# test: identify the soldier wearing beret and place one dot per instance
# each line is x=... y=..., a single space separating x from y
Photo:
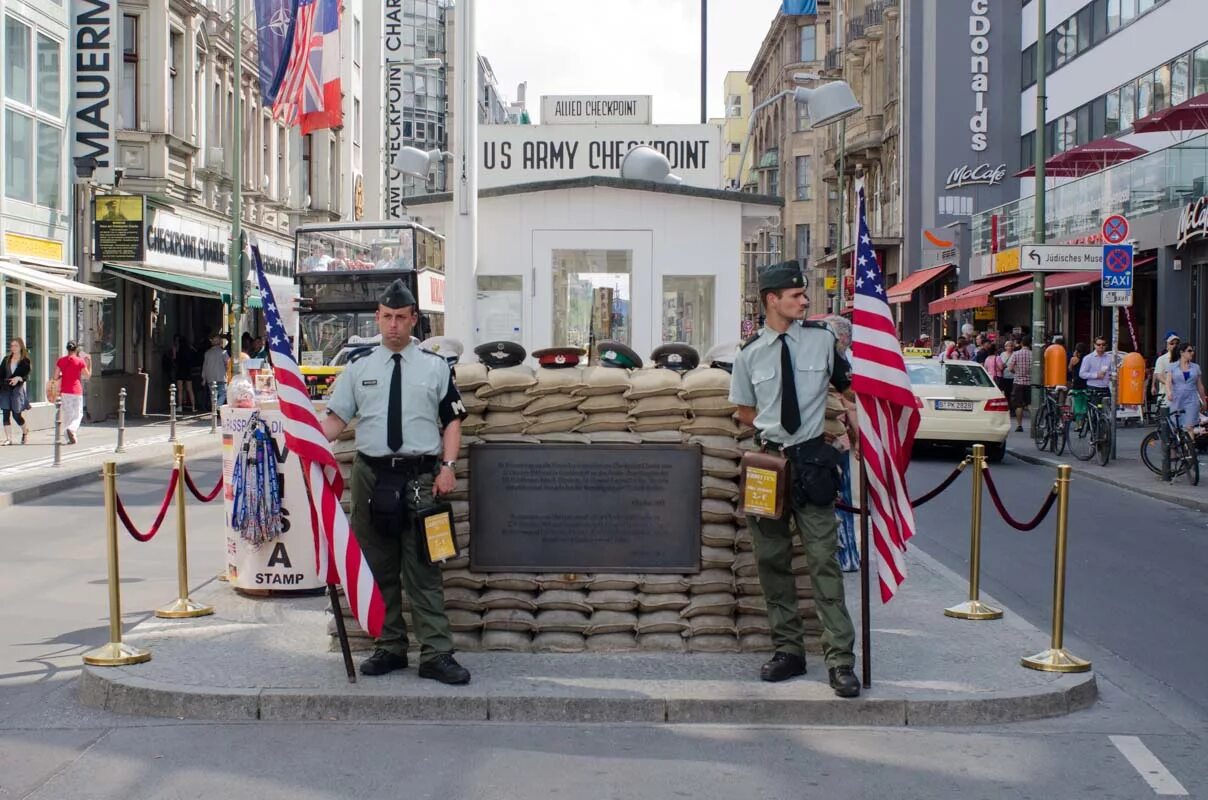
x=409 y=414
x=618 y=355
x=675 y=356
x=779 y=384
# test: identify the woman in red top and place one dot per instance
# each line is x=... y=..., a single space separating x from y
x=70 y=371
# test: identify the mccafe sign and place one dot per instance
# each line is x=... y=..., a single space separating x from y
x=976 y=175
x=1193 y=222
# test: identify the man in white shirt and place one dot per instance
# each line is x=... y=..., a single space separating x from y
x=1161 y=364
x=1096 y=367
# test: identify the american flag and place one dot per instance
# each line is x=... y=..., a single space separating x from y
x=305 y=439
x=888 y=412
x=310 y=95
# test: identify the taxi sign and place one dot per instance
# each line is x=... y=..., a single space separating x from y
x=917 y=352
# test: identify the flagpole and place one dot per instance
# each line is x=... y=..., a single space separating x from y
x=332 y=593
x=865 y=557
x=235 y=264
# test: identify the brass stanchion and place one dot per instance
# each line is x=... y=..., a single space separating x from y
x=115 y=653
x=974 y=608
x=1056 y=659
x=182 y=607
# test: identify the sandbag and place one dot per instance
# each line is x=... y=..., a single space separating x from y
x=463 y=578
x=565 y=600
x=551 y=402
x=745 y=565
x=713 y=407
x=554 y=422
x=558 y=641
x=507 y=619
x=516 y=581
x=507 y=641
x=604 y=404
x=713 y=643
x=662 y=583
x=718 y=446
x=508 y=599
x=717 y=534
x=716 y=557
x=671 y=601
x=605 y=581
x=709 y=581
x=640 y=424
x=752 y=623
x=662 y=642
x=705 y=382
x=659 y=406
x=474 y=423
x=612 y=599
x=560 y=620
x=613 y=437
x=712 y=426
x=464 y=599
x=716 y=603
x=661 y=622
x=604 y=422
x=719 y=467
x=503 y=422
x=602 y=380
x=556 y=381
x=755 y=643
x=469 y=376
x=507 y=401
x=711 y=625
x=652 y=383
x=716 y=511
x=718 y=488
x=662 y=437
x=507 y=379
x=612 y=642
x=611 y=622
x=566 y=580
x=460 y=620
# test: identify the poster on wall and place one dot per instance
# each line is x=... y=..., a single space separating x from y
x=117 y=223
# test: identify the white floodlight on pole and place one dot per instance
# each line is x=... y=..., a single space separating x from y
x=644 y=163
x=417 y=163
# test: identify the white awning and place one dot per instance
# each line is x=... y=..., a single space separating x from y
x=55 y=284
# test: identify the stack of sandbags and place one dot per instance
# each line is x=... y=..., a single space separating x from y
x=553 y=404
x=604 y=406
x=563 y=614
x=469 y=378
x=613 y=599
x=654 y=401
x=509 y=616
x=706 y=390
x=506 y=396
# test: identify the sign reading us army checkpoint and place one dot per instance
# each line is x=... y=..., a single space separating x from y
x=585 y=508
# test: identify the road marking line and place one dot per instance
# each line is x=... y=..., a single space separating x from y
x=1148 y=766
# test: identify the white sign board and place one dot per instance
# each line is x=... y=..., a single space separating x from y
x=93 y=81
x=593 y=109
x=515 y=154
x=1116 y=297
x=431 y=291
x=1061 y=258
x=394 y=70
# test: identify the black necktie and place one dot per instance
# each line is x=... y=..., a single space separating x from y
x=394 y=414
x=790 y=412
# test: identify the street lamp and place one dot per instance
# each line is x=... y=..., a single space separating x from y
x=418 y=163
x=644 y=163
x=399 y=159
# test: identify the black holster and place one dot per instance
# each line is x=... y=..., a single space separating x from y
x=816 y=478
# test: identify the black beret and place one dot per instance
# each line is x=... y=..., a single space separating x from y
x=397 y=295
x=785 y=275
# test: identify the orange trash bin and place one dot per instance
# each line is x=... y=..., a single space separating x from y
x=1132 y=380
x=1055 y=363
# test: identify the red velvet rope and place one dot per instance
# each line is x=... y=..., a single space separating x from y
x=159 y=518
x=205 y=498
x=1007 y=518
x=934 y=493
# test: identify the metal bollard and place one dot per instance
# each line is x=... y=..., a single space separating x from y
x=213 y=406
x=1056 y=658
x=58 y=431
x=121 y=421
x=114 y=654
x=974 y=608
x=172 y=413
x=182 y=607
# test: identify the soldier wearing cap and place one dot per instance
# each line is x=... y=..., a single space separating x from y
x=675 y=356
x=618 y=355
x=558 y=357
x=408 y=432
x=779 y=384
x=446 y=347
x=500 y=354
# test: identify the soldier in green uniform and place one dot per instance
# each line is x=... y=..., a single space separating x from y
x=408 y=433
x=779 y=384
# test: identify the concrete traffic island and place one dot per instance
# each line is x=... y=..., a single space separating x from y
x=269 y=659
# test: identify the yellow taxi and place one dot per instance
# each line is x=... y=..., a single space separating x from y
x=960 y=404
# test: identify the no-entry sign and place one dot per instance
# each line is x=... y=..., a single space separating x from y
x=1115 y=229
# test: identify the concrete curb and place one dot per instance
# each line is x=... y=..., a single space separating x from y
x=113 y=690
x=1194 y=503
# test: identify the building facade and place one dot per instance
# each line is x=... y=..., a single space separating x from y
x=734 y=129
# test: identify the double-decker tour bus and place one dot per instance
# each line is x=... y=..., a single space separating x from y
x=341 y=268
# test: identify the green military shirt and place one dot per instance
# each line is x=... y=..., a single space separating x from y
x=756 y=380
x=430 y=399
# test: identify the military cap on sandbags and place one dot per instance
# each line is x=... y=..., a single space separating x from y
x=785 y=275
x=397 y=295
x=722 y=355
x=675 y=355
x=618 y=354
x=558 y=357
x=446 y=347
x=500 y=354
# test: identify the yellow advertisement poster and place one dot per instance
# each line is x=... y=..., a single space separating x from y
x=759 y=492
x=118 y=227
x=438 y=530
x=1007 y=261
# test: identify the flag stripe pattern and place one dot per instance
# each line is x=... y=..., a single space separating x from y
x=286 y=104
x=310 y=94
x=338 y=555
x=888 y=412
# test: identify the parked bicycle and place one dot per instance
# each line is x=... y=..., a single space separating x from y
x=1090 y=432
x=1184 y=454
x=1051 y=423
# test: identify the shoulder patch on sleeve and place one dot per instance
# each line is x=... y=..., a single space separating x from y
x=358 y=354
x=751 y=341
x=821 y=326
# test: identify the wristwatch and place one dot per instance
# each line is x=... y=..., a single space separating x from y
x=450 y=464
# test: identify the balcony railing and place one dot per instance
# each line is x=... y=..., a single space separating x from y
x=874 y=13
x=834 y=59
x=855 y=29
x=1161 y=180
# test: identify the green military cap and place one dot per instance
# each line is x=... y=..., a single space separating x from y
x=618 y=354
x=500 y=354
x=397 y=295
x=675 y=355
x=785 y=275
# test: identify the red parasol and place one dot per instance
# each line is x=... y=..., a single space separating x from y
x=1189 y=115
x=1087 y=158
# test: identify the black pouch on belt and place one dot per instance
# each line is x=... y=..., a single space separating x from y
x=816 y=476
x=388 y=505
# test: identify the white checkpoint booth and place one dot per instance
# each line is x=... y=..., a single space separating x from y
x=286 y=563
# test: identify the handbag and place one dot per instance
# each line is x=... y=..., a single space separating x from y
x=52 y=390
x=816 y=476
x=764 y=484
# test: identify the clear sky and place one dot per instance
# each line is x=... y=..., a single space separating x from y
x=621 y=47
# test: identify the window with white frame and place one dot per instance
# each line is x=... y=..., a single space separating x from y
x=356 y=133
x=804 y=177
x=33 y=134
x=356 y=40
x=282 y=166
x=175 y=100
x=128 y=96
x=688 y=310
x=809 y=43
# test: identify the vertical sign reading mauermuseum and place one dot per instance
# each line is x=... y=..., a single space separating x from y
x=394 y=69
x=93 y=90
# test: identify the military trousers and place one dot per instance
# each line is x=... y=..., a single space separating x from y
x=394 y=556
x=773 y=540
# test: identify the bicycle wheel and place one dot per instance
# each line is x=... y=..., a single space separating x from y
x=1041 y=425
x=1061 y=436
x=1189 y=458
x=1082 y=438
x=1151 y=452
x=1103 y=443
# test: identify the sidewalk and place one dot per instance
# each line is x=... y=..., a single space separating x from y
x=269 y=659
x=1126 y=471
x=28 y=472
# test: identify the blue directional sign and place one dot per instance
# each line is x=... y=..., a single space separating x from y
x=1118 y=266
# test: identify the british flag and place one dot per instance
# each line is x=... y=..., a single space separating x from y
x=310 y=93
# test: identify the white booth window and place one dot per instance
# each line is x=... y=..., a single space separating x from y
x=688 y=310
x=592 y=301
x=499 y=308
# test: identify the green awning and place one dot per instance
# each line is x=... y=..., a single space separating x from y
x=177 y=283
x=770 y=159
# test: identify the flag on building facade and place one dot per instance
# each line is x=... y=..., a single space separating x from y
x=888 y=412
x=339 y=559
x=798 y=7
x=274 y=35
x=310 y=95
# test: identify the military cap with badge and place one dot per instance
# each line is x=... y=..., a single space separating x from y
x=446 y=347
x=397 y=295
x=784 y=275
x=500 y=354
x=675 y=356
x=618 y=355
x=558 y=357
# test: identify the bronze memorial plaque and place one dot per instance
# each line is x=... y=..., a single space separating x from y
x=585 y=508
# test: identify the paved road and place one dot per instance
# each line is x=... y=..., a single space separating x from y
x=1136 y=586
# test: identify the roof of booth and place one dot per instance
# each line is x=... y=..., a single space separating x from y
x=608 y=182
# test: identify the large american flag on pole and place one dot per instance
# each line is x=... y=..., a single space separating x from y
x=888 y=412
x=309 y=94
x=338 y=554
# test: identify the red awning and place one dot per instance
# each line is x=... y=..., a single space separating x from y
x=902 y=290
x=1055 y=281
x=1087 y=158
x=1189 y=115
x=974 y=295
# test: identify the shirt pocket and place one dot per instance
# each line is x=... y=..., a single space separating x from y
x=767 y=388
x=812 y=380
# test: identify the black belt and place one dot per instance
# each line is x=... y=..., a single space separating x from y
x=400 y=463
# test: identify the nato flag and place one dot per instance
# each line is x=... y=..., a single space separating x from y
x=798 y=7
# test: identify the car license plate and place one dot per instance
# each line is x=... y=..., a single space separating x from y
x=953 y=405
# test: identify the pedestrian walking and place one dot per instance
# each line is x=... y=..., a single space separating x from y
x=1162 y=362
x=1021 y=387
x=214 y=369
x=70 y=373
x=408 y=434
x=1072 y=372
x=14 y=389
x=779 y=384
x=993 y=365
x=1006 y=374
x=178 y=366
x=1185 y=386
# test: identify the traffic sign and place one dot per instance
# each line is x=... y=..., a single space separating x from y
x=1115 y=229
x=1117 y=266
x=1061 y=258
x=1116 y=297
